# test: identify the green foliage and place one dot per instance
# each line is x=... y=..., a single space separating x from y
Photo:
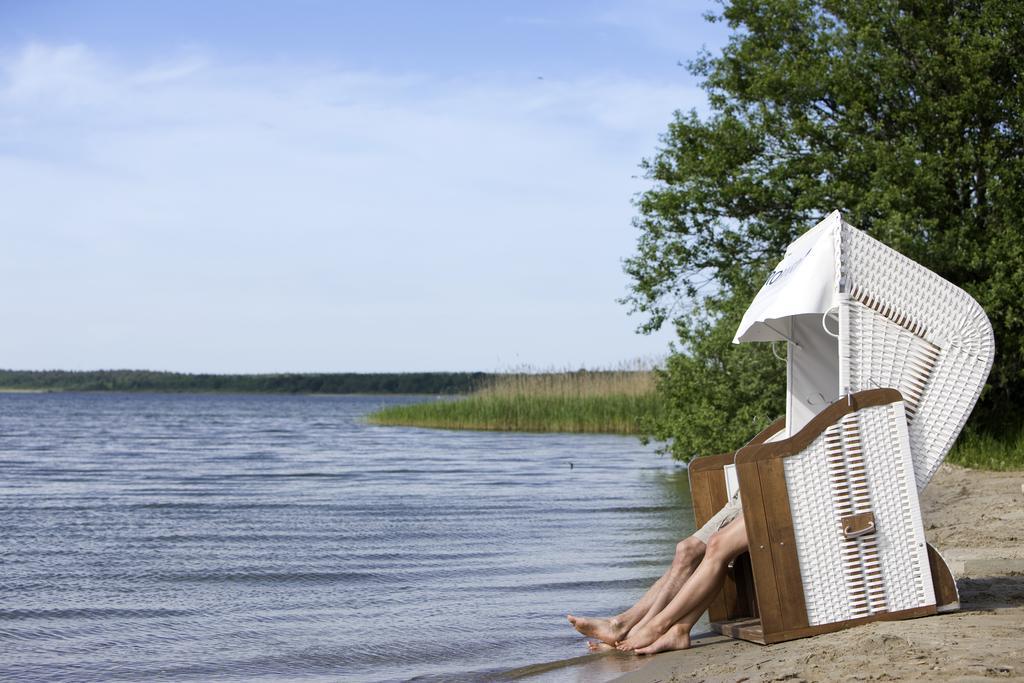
x=718 y=395
x=906 y=116
x=990 y=452
x=285 y=383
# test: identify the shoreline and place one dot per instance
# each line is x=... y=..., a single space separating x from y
x=975 y=518
x=221 y=392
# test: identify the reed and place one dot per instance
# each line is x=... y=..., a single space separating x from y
x=594 y=401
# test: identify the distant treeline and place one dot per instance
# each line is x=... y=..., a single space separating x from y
x=282 y=383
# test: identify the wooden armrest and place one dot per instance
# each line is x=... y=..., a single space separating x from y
x=709 y=463
x=754 y=452
x=717 y=462
x=708 y=491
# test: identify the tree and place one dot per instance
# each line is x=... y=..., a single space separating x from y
x=906 y=116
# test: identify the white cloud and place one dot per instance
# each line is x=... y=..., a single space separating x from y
x=63 y=74
x=197 y=215
x=675 y=26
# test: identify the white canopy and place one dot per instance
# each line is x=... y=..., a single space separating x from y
x=805 y=281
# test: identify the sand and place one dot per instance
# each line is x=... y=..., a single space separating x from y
x=976 y=520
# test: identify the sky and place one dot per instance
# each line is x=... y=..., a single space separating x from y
x=319 y=186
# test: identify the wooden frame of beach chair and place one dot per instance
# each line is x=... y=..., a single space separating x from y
x=832 y=513
x=709 y=494
x=764 y=598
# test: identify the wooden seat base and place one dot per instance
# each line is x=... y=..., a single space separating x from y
x=762 y=598
x=946 y=598
x=744 y=628
x=750 y=629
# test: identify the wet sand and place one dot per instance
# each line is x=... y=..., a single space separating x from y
x=976 y=521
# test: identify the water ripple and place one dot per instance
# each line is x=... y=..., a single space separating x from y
x=180 y=537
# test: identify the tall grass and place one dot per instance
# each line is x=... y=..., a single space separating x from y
x=597 y=401
x=989 y=452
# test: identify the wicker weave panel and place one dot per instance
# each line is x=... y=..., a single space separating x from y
x=943 y=410
x=816 y=515
x=881 y=353
x=903 y=326
x=861 y=464
x=887 y=355
x=900 y=537
x=912 y=295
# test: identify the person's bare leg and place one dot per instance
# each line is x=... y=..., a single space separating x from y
x=687 y=558
x=613 y=629
x=698 y=592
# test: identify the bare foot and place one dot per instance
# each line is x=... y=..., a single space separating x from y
x=641 y=637
x=598 y=646
x=676 y=638
x=636 y=628
x=605 y=630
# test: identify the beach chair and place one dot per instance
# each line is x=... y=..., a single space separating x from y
x=885 y=361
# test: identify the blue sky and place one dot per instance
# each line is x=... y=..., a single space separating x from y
x=330 y=186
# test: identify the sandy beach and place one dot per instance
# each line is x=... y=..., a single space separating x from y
x=976 y=520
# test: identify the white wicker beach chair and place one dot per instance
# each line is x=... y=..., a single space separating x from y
x=885 y=362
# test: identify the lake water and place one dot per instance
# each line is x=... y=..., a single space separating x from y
x=197 y=537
